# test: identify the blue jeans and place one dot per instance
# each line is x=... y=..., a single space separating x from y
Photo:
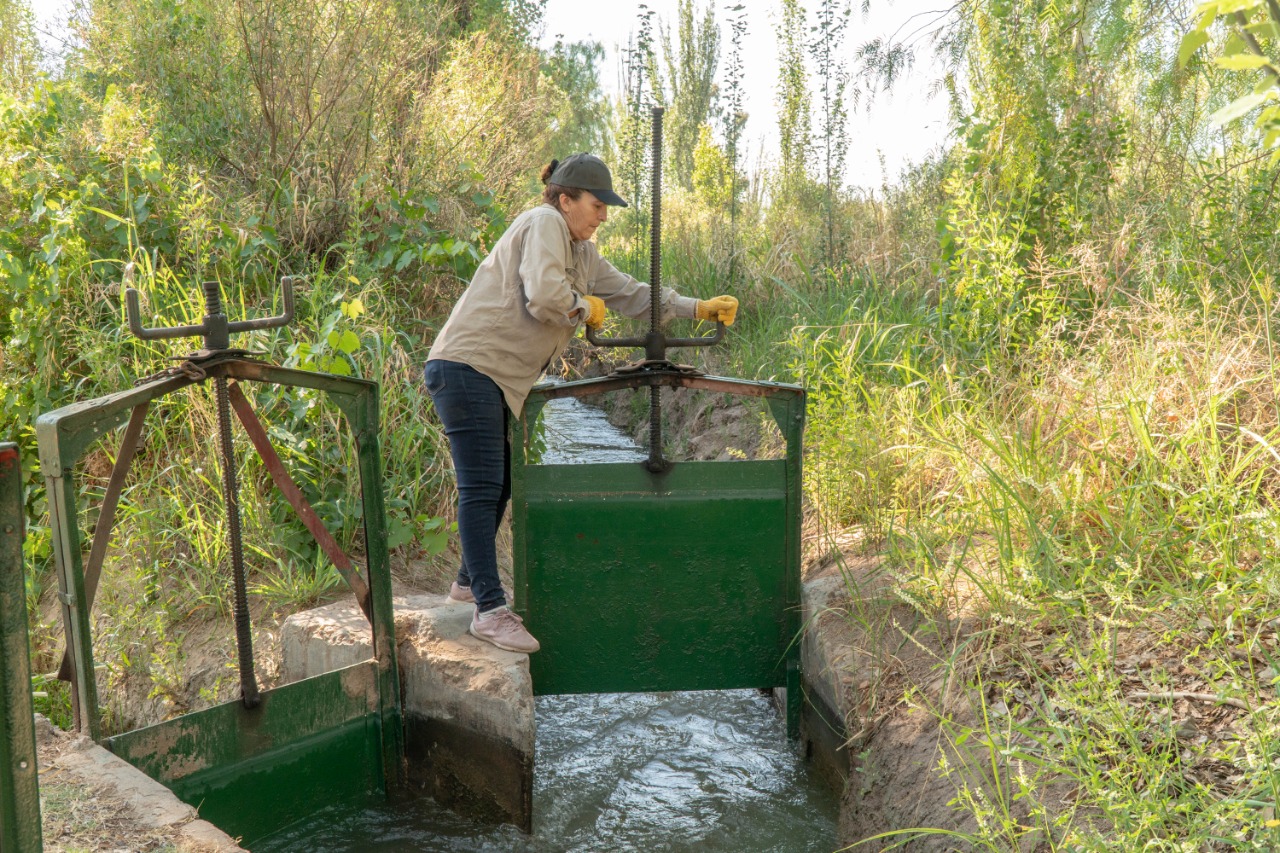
x=474 y=414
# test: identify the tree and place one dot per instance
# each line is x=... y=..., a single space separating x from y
x=734 y=122
x=833 y=129
x=632 y=133
x=1251 y=47
x=688 y=86
x=794 y=121
x=582 y=122
x=18 y=46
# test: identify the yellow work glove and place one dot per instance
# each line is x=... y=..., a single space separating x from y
x=723 y=309
x=595 y=312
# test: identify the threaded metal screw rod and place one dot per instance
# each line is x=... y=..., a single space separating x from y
x=656 y=463
x=655 y=229
x=244 y=638
x=217 y=332
x=231 y=496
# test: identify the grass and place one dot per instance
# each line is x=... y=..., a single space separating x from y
x=1096 y=505
x=1118 y=488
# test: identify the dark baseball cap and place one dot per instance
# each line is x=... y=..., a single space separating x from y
x=587 y=172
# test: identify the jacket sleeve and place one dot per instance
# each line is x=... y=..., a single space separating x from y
x=624 y=294
x=544 y=276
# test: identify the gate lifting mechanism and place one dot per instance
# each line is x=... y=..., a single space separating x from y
x=256 y=763
x=661 y=576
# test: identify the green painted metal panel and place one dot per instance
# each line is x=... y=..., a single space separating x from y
x=684 y=579
x=19 y=795
x=635 y=581
x=251 y=771
x=257 y=797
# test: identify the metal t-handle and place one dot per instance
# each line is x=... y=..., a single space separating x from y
x=215 y=328
x=655 y=343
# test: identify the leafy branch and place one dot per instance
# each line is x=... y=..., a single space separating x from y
x=1249 y=22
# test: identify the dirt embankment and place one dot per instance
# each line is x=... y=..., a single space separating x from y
x=917 y=734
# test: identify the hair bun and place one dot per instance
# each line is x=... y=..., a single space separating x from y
x=549 y=170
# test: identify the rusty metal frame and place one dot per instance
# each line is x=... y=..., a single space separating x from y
x=275 y=467
x=65 y=434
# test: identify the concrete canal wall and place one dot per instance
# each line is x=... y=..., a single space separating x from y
x=469 y=713
x=119 y=799
x=469 y=708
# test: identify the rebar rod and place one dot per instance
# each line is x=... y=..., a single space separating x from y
x=655 y=228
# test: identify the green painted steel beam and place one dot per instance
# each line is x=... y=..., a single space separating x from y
x=377 y=555
x=790 y=420
x=19 y=794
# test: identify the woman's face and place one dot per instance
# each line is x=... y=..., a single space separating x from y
x=584 y=214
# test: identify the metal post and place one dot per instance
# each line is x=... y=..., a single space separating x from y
x=789 y=413
x=19 y=797
x=364 y=425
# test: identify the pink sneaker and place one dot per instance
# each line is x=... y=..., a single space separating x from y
x=502 y=627
x=462 y=594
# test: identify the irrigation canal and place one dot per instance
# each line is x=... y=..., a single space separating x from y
x=706 y=771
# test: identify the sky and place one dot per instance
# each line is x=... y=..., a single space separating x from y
x=899 y=128
x=902 y=127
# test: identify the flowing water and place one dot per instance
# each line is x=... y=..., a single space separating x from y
x=704 y=771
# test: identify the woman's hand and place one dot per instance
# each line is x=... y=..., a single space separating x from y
x=721 y=309
x=595 y=311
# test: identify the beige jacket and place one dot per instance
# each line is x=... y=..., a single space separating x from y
x=525 y=302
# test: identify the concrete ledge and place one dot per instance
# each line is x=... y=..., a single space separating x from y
x=154 y=805
x=468 y=706
x=825 y=662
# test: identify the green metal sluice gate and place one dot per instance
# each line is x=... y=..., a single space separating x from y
x=663 y=575
x=642 y=578
x=274 y=756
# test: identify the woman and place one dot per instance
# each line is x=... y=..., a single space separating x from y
x=542 y=280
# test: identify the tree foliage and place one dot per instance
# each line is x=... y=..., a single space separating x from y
x=19 y=49
x=734 y=121
x=1251 y=46
x=794 y=115
x=582 y=123
x=686 y=85
x=832 y=134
